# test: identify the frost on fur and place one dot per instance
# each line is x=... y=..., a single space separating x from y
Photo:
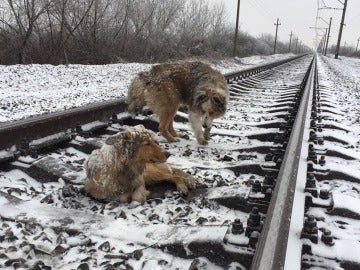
x=136 y=98
x=193 y=84
x=116 y=168
x=126 y=162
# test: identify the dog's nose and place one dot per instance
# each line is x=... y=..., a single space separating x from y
x=167 y=154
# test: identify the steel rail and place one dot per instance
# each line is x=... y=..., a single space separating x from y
x=238 y=75
x=44 y=125
x=271 y=249
x=36 y=127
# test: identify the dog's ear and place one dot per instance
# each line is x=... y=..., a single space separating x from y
x=113 y=139
x=118 y=137
x=219 y=102
x=140 y=128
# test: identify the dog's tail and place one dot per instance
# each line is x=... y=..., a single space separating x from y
x=136 y=95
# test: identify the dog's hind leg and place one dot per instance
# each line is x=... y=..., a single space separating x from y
x=136 y=96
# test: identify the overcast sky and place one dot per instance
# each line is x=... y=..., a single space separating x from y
x=259 y=16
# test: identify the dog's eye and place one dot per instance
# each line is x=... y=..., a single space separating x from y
x=201 y=98
x=218 y=101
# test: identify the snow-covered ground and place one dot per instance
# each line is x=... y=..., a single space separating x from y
x=339 y=100
x=27 y=90
x=49 y=220
x=344 y=77
x=66 y=229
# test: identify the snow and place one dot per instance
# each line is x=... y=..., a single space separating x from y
x=340 y=250
x=71 y=222
x=53 y=137
x=28 y=90
x=348 y=203
x=339 y=102
x=37 y=89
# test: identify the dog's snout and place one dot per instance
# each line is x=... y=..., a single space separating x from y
x=167 y=154
x=205 y=126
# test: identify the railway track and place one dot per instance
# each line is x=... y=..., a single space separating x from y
x=268 y=195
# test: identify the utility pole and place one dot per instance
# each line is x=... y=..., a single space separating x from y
x=357 y=45
x=277 y=25
x=340 y=31
x=320 y=47
x=296 y=45
x=328 y=36
x=236 y=28
x=324 y=45
x=290 y=41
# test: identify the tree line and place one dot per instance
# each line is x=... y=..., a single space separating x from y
x=109 y=31
x=346 y=50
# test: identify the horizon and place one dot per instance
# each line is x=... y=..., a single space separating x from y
x=258 y=17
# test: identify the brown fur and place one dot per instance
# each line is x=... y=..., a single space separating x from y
x=165 y=87
x=126 y=163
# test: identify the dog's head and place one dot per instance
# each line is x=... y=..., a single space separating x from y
x=136 y=145
x=210 y=103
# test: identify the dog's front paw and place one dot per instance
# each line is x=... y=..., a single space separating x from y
x=190 y=182
x=184 y=181
x=173 y=139
x=176 y=139
x=207 y=134
x=182 y=188
x=140 y=194
x=125 y=197
x=202 y=141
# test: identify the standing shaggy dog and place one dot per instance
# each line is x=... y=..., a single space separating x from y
x=165 y=87
x=128 y=161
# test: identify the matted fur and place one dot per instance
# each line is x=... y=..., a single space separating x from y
x=129 y=160
x=194 y=84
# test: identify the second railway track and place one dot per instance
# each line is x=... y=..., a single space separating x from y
x=263 y=161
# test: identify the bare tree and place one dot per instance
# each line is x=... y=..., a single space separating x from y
x=105 y=31
x=70 y=16
x=21 y=21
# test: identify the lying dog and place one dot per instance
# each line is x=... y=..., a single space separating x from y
x=165 y=87
x=127 y=162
